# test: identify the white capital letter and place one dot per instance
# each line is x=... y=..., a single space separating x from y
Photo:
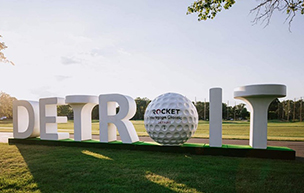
x=49 y=119
x=215 y=116
x=25 y=119
x=82 y=107
x=108 y=118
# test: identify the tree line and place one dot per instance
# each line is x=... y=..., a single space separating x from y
x=287 y=110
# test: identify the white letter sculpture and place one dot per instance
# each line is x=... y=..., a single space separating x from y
x=49 y=119
x=25 y=119
x=82 y=107
x=108 y=118
x=259 y=97
x=215 y=116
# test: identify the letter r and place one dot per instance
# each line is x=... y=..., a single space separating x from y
x=108 y=118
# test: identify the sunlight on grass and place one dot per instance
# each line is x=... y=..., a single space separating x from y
x=168 y=183
x=15 y=176
x=48 y=169
x=99 y=156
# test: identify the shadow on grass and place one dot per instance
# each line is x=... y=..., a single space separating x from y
x=75 y=169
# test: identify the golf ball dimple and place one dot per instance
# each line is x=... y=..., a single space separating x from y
x=171 y=119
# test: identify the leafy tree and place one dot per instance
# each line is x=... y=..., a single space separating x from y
x=6 y=105
x=240 y=112
x=201 y=111
x=208 y=9
x=229 y=112
x=95 y=112
x=2 y=57
x=299 y=111
x=244 y=114
x=273 y=109
x=65 y=110
x=224 y=111
x=287 y=110
x=141 y=105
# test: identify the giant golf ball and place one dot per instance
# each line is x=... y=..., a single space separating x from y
x=171 y=119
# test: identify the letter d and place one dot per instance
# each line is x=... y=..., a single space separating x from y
x=25 y=119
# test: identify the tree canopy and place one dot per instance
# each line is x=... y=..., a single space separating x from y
x=208 y=9
x=6 y=105
x=2 y=57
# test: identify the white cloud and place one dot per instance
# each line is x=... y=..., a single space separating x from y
x=43 y=91
x=109 y=51
x=61 y=77
x=69 y=60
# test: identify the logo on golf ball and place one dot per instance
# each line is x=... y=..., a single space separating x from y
x=171 y=119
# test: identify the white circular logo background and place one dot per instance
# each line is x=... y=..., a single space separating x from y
x=171 y=119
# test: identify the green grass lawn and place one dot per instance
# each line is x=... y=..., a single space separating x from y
x=277 y=130
x=29 y=168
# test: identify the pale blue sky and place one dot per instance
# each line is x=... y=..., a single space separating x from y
x=144 y=48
